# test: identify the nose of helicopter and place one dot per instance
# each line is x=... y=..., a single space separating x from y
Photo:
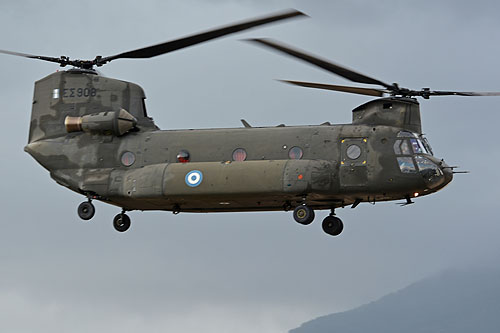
x=447 y=172
x=446 y=175
x=436 y=173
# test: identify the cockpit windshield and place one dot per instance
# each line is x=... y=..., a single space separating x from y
x=418 y=146
x=410 y=148
x=426 y=144
x=410 y=143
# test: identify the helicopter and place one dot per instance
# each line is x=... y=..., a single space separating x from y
x=94 y=136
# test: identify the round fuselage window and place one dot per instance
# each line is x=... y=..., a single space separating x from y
x=353 y=152
x=128 y=158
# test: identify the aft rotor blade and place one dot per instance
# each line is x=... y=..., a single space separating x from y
x=32 y=56
x=347 y=89
x=155 y=50
x=322 y=63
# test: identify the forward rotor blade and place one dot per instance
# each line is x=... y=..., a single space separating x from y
x=352 y=90
x=325 y=64
x=155 y=50
x=463 y=93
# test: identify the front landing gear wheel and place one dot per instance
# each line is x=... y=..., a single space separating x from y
x=332 y=225
x=86 y=210
x=121 y=222
x=303 y=214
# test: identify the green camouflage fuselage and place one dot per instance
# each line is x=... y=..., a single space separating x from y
x=339 y=164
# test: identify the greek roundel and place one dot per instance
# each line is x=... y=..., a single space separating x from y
x=194 y=178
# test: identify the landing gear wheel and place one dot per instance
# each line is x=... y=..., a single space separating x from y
x=332 y=225
x=121 y=222
x=86 y=210
x=303 y=214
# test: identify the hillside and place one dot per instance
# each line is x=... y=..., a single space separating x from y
x=454 y=302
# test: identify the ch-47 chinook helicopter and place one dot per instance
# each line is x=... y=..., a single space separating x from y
x=93 y=135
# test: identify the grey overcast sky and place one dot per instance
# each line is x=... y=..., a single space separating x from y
x=249 y=272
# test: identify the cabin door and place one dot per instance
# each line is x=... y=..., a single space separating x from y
x=353 y=162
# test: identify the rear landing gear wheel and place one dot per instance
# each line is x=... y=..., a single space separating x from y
x=121 y=222
x=86 y=210
x=332 y=225
x=303 y=214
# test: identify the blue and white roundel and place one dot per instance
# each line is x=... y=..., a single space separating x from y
x=194 y=178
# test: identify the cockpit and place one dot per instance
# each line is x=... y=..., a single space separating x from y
x=414 y=155
x=418 y=144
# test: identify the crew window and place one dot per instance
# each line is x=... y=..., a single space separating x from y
x=426 y=165
x=406 y=164
x=397 y=147
x=353 y=152
x=295 y=153
x=405 y=149
x=412 y=145
x=422 y=147
x=426 y=145
x=416 y=147
x=183 y=156
x=239 y=154
x=128 y=158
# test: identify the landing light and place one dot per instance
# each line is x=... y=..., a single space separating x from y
x=415 y=194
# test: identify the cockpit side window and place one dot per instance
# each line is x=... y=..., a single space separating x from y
x=401 y=147
x=407 y=144
x=397 y=147
x=405 y=150
x=411 y=143
x=406 y=165
x=427 y=168
x=425 y=164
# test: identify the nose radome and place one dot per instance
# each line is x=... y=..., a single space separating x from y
x=436 y=173
x=448 y=174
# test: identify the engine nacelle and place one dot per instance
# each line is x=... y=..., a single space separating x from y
x=109 y=122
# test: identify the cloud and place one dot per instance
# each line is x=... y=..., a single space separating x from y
x=22 y=313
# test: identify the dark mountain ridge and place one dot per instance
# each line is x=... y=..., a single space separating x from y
x=455 y=301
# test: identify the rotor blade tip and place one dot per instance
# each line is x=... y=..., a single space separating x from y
x=257 y=40
x=298 y=12
x=254 y=40
x=292 y=11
